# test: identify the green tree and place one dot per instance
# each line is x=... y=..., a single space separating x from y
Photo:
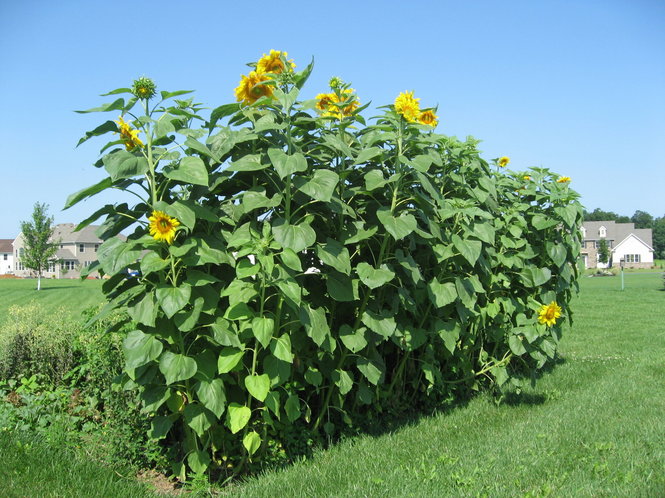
x=642 y=219
x=39 y=250
x=600 y=215
x=659 y=237
x=603 y=251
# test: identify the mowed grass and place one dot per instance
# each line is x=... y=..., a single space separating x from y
x=71 y=294
x=594 y=426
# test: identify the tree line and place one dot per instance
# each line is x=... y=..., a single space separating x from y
x=642 y=219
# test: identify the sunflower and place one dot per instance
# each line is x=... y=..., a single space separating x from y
x=252 y=88
x=337 y=105
x=548 y=313
x=144 y=88
x=526 y=178
x=273 y=63
x=428 y=118
x=407 y=106
x=128 y=136
x=563 y=179
x=163 y=227
x=503 y=162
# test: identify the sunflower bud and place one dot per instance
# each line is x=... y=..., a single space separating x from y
x=336 y=82
x=144 y=88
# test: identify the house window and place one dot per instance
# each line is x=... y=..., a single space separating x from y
x=61 y=246
x=67 y=265
x=632 y=258
x=20 y=252
x=4 y=256
x=96 y=247
x=51 y=267
x=81 y=248
x=602 y=232
x=19 y=266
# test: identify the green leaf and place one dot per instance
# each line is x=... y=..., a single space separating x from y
x=291 y=259
x=263 y=329
x=468 y=248
x=237 y=417
x=152 y=262
x=541 y=222
x=124 y=164
x=281 y=348
x=374 y=179
x=251 y=442
x=272 y=402
x=140 y=348
x=374 y=277
x=145 y=311
x=449 y=331
x=256 y=198
x=239 y=311
x=372 y=370
x=535 y=277
x=223 y=334
x=197 y=278
x=320 y=187
x=400 y=226
x=465 y=292
x=516 y=345
x=382 y=324
x=245 y=268
x=355 y=342
x=177 y=367
x=212 y=395
x=286 y=164
x=172 y=299
x=116 y=105
x=315 y=323
x=221 y=112
x=343 y=381
x=336 y=255
x=228 y=359
x=160 y=427
x=108 y=126
x=313 y=376
x=198 y=418
x=153 y=397
x=366 y=154
x=258 y=386
x=250 y=162
x=190 y=170
x=278 y=370
x=292 y=408
x=290 y=289
x=88 y=192
x=198 y=461
x=294 y=237
x=115 y=255
x=441 y=294
x=557 y=252
x=341 y=287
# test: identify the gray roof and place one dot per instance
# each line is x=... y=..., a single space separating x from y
x=6 y=245
x=616 y=231
x=65 y=233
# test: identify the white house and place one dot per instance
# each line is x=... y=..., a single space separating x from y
x=624 y=241
x=6 y=257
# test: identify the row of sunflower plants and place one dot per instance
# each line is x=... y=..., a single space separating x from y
x=299 y=267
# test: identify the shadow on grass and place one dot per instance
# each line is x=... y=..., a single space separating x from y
x=60 y=287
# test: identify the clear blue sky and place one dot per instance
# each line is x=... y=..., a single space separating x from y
x=575 y=86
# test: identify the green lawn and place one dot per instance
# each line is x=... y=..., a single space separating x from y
x=594 y=426
x=75 y=295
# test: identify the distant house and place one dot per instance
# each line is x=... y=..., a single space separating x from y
x=6 y=257
x=624 y=241
x=76 y=250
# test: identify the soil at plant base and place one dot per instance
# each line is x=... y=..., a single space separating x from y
x=159 y=483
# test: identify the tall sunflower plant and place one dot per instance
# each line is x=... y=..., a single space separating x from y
x=303 y=273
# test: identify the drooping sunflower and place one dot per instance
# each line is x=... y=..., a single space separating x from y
x=163 y=227
x=548 y=313
x=251 y=88
x=129 y=136
x=563 y=179
x=428 y=118
x=503 y=161
x=273 y=63
x=407 y=105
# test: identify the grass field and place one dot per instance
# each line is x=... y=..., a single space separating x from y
x=75 y=295
x=594 y=426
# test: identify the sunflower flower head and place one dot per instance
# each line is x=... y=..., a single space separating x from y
x=252 y=87
x=144 y=88
x=129 y=136
x=407 y=106
x=275 y=62
x=526 y=178
x=163 y=227
x=339 y=104
x=548 y=313
x=563 y=179
x=503 y=161
x=428 y=118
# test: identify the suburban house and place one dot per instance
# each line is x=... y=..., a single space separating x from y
x=6 y=256
x=76 y=250
x=625 y=242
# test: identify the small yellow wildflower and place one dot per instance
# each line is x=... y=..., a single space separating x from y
x=563 y=179
x=128 y=136
x=163 y=227
x=548 y=313
x=273 y=63
x=503 y=162
x=407 y=105
x=428 y=118
x=251 y=88
x=526 y=178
